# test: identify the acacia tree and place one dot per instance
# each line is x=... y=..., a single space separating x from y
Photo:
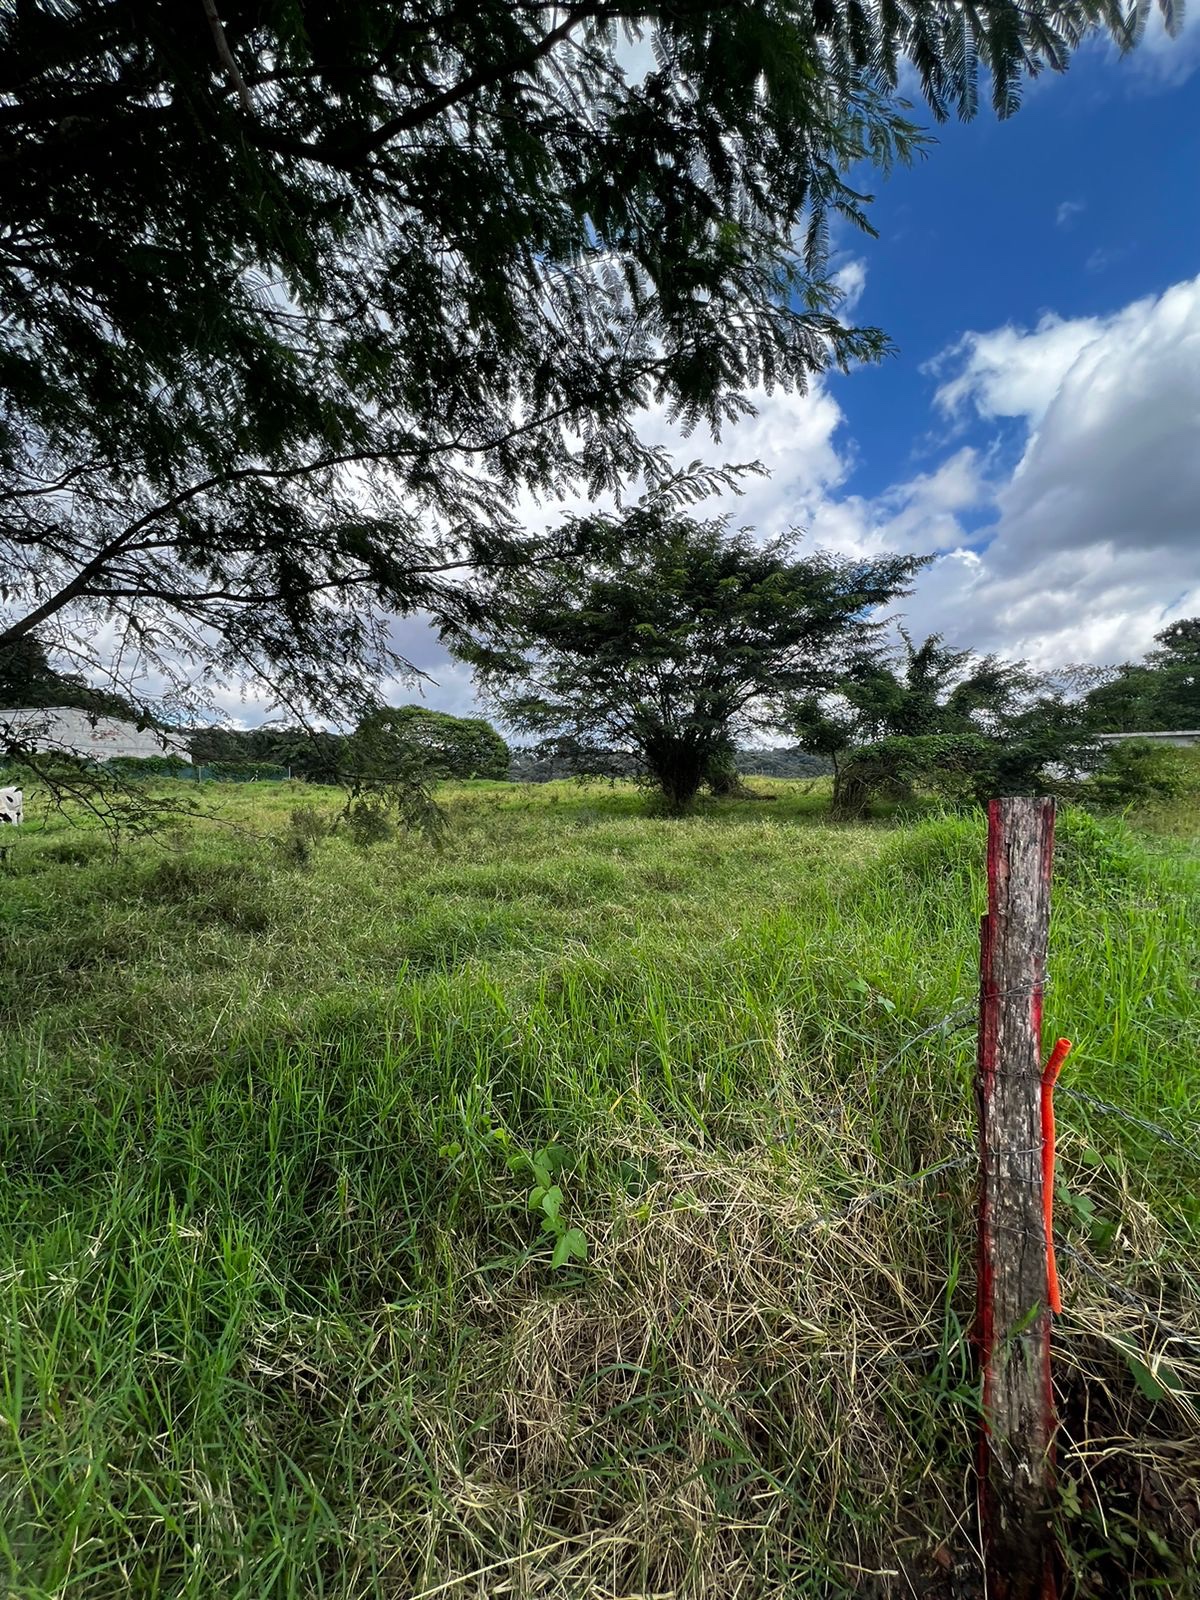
x=960 y=723
x=449 y=747
x=298 y=297
x=666 y=638
x=930 y=687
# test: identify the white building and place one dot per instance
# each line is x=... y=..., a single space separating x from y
x=1181 y=736
x=68 y=731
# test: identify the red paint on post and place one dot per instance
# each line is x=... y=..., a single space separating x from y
x=1058 y=1055
x=1016 y=1464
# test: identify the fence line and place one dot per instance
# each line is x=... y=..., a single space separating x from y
x=1135 y=1302
x=959 y=1020
x=1155 y=1128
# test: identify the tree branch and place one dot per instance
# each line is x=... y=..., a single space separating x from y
x=226 y=55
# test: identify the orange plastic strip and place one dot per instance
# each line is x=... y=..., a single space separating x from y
x=1049 y=1077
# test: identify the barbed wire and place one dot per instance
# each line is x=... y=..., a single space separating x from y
x=909 y=1181
x=1133 y=1301
x=1154 y=1128
x=959 y=1019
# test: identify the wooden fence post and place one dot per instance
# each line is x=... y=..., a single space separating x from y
x=1016 y=1465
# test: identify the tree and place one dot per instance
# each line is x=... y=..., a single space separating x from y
x=929 y=687
x=1159 y=694
x=935 y=717
x=665 y=637
x=298 y=298
x=28 y=679
x=308 y=753
x=926 y=689
x=451 y=747
x=386 y=780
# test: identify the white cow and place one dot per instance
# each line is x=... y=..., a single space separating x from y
x=12 y=807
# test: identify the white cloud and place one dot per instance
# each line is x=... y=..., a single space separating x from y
x=921 y=515
x=1096 y=538
x=1105 y=256
x=1163 y=61
x=1159 y=62
x=1010 y=372
x=1086 y=547
x=1067 y=211
x=851 y=279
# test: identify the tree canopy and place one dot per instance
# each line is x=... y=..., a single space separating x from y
x=658 y=635
x=440 y=745
x=28 y=679
x=299 y=298
x=1157 y=695
x=446 y=746
x=926 y=688
x=934 y=716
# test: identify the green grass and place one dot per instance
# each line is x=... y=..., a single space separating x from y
x=279 y=1319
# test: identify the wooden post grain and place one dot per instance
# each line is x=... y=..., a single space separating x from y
x=1013 y=1318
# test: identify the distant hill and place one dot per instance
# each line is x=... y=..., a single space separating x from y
x=790 y=762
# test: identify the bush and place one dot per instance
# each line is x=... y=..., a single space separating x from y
x=950 y=766
x=368 y=822
x=1140 y=771
x=306 y=828
x=163 y=766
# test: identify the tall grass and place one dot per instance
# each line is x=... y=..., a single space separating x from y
x=281 y=1320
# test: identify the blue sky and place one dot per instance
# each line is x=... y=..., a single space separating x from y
x=1038 y=430
x=1087 y=199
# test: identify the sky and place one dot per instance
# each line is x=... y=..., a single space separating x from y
x=1038 y=428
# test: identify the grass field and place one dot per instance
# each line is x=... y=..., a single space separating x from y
x=279 y=1315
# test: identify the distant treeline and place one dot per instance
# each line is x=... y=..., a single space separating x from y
x=787 y=762
x=445 y=746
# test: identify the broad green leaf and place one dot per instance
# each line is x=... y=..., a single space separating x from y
x=572 y=1243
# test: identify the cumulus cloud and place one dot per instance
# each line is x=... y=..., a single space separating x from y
x=792 y=437
x=1010 y=371
x=1096 y=539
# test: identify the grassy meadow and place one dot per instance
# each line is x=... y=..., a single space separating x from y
x=280 y=1317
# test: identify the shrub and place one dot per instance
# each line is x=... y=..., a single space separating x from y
x=164 y=766
x=1140 y=771
x=306 y=828
x=368 y=822
x=951 y=766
